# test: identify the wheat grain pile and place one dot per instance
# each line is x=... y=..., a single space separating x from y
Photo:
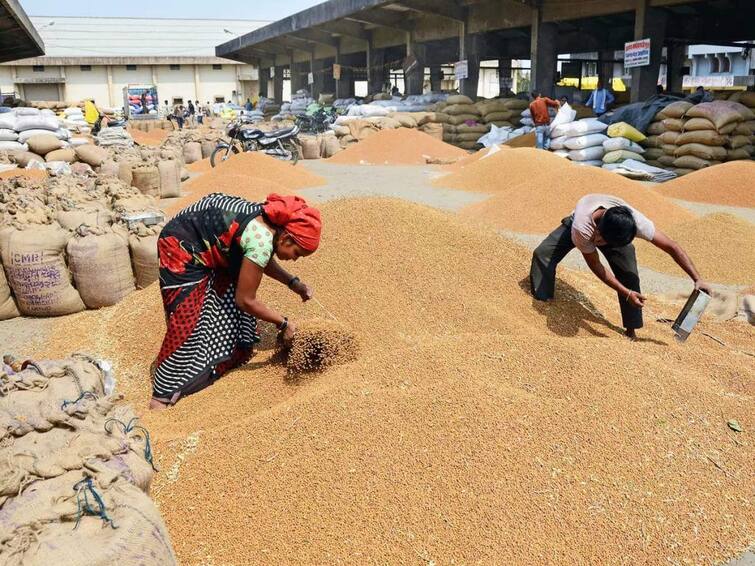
x=250 y=175
x=722 y=247
x=532 y=190
x=153 y=137
x=475 y=426
x=201 y=166
x=402 y=146
x=729 y=184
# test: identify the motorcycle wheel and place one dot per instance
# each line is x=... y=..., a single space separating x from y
x=220 y=154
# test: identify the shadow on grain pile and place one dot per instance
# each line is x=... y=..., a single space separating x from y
x=471 y=427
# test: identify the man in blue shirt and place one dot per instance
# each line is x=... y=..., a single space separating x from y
x=600 y=99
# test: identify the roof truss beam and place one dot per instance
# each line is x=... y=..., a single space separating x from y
x=443 y=8
x=381 y=19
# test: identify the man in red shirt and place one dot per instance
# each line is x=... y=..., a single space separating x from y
x=541 y=118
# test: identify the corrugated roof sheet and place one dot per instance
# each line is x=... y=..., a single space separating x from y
x=136 y=37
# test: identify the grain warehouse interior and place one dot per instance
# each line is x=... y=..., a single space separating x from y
x=303 y=329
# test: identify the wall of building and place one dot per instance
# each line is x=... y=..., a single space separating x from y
x=87 y=84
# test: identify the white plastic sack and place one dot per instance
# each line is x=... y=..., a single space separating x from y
x=561 y=153
x=565 y=115
x=558 y=143
x=591 y=163
x=63 y=134
x=592 y=153
x=58 y=167
x=615 y=144
x=492 y=150
x=8 y=121
x=23 y=111
x=78 y=141
x=8 y=135
x=582 y=142
x=579 y=128
x=13 y=146
x=38 y=122
x=26 y=134
x=495 y=136
x=47 y=112
x=527 y=122
x=369 y=110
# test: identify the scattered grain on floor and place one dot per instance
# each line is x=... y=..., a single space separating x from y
x=201 y=166
x=33 y=174
x=721 y=246
x=476 y=425
x=402 y=146
x=728 y=184
x=153 y=137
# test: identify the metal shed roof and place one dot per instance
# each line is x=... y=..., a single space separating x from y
x=18 y=38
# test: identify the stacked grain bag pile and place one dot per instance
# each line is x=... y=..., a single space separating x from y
x=76 y=469
x=74 y=120
x=465 y=124
x=500 y=112
x=20 y=124
x=622 y=144
x=63 y=246
x=709 y=134
x=581 y=141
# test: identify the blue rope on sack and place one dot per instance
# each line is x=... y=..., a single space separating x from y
x=130 y=427
x=84 y=395
x=85 y=487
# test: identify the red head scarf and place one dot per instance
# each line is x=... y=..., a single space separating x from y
x=297 y=218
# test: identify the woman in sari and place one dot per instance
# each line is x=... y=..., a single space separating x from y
x=213 y=255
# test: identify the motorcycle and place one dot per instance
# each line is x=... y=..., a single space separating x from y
x=280 y=144
x=316 y=123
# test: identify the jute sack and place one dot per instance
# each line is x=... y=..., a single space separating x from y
x=705 y=137
x=67 y=155
x=8 y=307
x=461 y=118
x=44 y=143
x=673 y=124
x=459 y=99
x=652 y=141
x=718 y=112
x=693 y=124
x=125 y=172
x=739 y=141
x=91 y=214
x=46 y=525
x=656 y=129
x=330 y=146
x=192 y=152
x=170 y=178
x=146 y=178
x=666 y=160
x=516 y=104
x=36 y=270
x=669 y=148
x=405 y=119
x=144 y=257
x=207 y=148
x=493 y=106
x=504 y=116
x=432 y=129
x=462 y=110
x=91 y=154
x=101 y=266
x=743 y=110
x=744 y=129
x=707 y=152
x=23 y=158
x=653 y=153
x=744 y=152
x=681 y=172
x=311 y=146
x=676 y=109
x=692 y=162
x=109 y=168
x=669 y=137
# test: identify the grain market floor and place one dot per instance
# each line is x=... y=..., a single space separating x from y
x=411 y=183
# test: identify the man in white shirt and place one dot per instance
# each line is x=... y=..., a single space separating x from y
x=606 y=223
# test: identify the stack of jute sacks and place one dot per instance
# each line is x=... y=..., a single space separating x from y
x=465 y=124
x=502 y=112
x=708 y=134
x=64 y=246
x=75 y=469
x=155 y=171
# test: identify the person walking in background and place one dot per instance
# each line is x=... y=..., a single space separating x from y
x=600 y=99
x=248 y=106
x=178 y=115
x=200 y=114
x=191 y=113
x=165 y=110
x=143 y=100
x=539 y=110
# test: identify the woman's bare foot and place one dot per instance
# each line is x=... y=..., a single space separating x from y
x=155 y=405
x=631 y=334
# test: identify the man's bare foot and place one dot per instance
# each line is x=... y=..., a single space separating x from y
x=155 y=405
x=631 y=334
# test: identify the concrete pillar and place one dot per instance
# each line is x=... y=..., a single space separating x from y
x=298 y=77
x=415 y=77
x=278 y=84
x=469 y=50
x=316 y=68
x=109 y=71
x=377 y=74
x=264 y=81
x=196 y=82
x=328 y=82
x=543 y=55
x=505 y=82
x=436 y=78
x=648 y=23
x=675 y=55
x=605 y=66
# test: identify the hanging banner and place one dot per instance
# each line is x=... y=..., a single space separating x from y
x=461 y=70
x=310 y=79
x=637 y=53
x=337 y=71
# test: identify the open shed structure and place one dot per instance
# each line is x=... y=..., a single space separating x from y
x=329 y=46
x=18 y=38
